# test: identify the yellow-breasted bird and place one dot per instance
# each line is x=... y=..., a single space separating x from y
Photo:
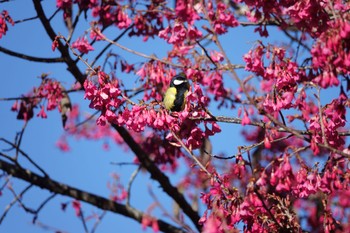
x=174 y=98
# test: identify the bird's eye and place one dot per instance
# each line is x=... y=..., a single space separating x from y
x=178 y=82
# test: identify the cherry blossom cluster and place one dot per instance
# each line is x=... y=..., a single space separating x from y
x=4 y=19
x=118 y=192
x=333 y=118
x=49 y=93
x=63 y=4
x=186 y=11
x=105 y=96
x=148 y=24
x=161 y=153
x=148 y=221
x=281 y=80
x=221 y=17
x=280 y=77
x=178 y=33
x=311 y=182
x=108 y=15
x=82 y=45
x=299 y=13
x=330 y=54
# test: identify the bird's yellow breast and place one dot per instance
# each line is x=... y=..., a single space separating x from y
x=169 y=98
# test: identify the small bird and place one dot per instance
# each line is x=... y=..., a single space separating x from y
x=174 y=98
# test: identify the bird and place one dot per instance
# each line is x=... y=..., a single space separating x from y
x=174 y=99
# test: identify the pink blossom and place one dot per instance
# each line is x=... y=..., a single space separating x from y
x=186 y=12
x=178 y=34
x=63 y=4
x=193 y=33
x=123 y=20
x=127 y=68
x=42 y=113
x=212 y=225
x=267 y=143
x=54 y=44
x=62 y=144
x=4 y=19
x=216 y=56
x=245 y=119
x=82 y=45
x=254 y=61
x=14 y=107
x=77 y=207
x=95 y=32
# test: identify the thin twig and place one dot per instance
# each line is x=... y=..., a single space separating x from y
x=151 y=57
x=244 y=149
x=83 y=221
x=42 y=206
x=71 y=65
x=17 y=197
x=262 y=199
x=76 y=19
x=8 y=157
x=298 y=41
x=98 y=221
x=166 y=213
x=76 y=54
x=25 y=155
x=49 y=228
x=131 y=180
x=25 y=20
x=18 y=142
x=323 y=131
x=54 y=14
x=107 y=46
x=4 y=185
x=298 y=48
x=84 y=121
x=124 y=163
x=236 y=120
x=34 y=96
x=191 y=154
x=207 y=54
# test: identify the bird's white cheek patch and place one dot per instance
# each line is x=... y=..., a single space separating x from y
x=178 y=82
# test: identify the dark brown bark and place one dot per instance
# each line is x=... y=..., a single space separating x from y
x=66 y=190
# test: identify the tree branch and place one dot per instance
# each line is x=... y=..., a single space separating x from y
x=158 y=175
x=31 y=58
x=72 y=66
x=107 y=46
x=14 y=201
x=95 y=200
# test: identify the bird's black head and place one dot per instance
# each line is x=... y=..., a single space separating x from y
x=180 y=81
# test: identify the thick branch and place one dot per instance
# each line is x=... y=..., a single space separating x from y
x=159 y=176
x=72 y=66
x=31 y=58
x=98 y=201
